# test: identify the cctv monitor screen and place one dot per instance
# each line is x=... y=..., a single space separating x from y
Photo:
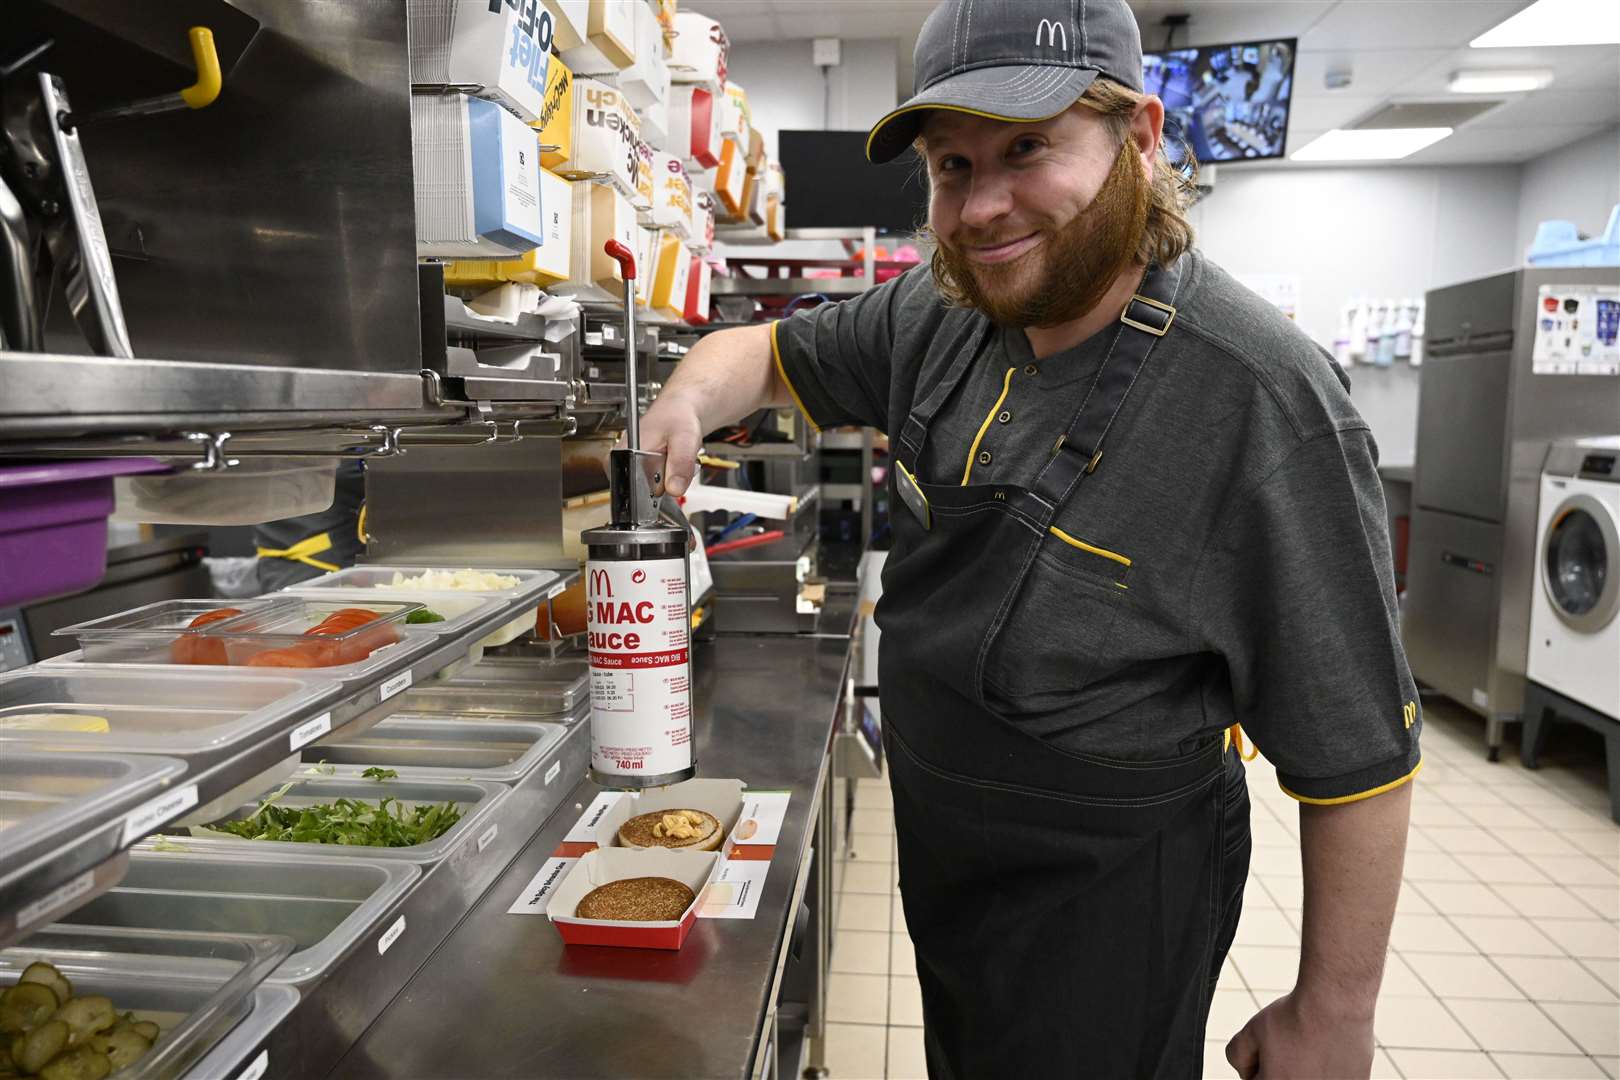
x=1224 y=102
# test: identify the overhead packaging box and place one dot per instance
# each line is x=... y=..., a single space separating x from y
x=601 y=213
x=730 y=180
x=672 y=195
x=646 y=181
x=669 y=284
x=702 y=235
x=555 y=127
x=735 y=117
x=774 y=191
x=646 y=82
x=610 y=38
x=477 y=179
x=699 y=53
x=698 y=279
x=546 y=265
x=606 y=134
x=570 y=20
x=694 y=126
x=647 y=252
x=501 y=48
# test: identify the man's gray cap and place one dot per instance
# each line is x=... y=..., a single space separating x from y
x=1013 y=60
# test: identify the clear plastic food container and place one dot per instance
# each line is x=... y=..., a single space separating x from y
x=254 y=490
x=162 y=633
x=379 y=578
x=195 y=986
x=504 y=751
x=281 y=636
x=457 y=609
x=515 y=687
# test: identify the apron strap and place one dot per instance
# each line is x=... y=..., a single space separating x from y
x=914 y=433
x=304 y=552
x=1147 y=317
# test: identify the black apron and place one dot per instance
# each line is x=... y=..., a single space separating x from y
x=1070 y=913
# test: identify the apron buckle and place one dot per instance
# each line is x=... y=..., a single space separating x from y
x=1153 y=318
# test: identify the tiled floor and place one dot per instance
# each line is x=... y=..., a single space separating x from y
x=1506 y=953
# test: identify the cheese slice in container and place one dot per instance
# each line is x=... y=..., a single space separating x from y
x=700 y=51
x=555 y=127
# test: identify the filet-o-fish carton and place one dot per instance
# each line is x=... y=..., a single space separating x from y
x=546 y=265
x=610 y=38
x=606 y=136
x=555 y=128
x=694 y=126
x=570 y=21
x=501 y=48
x=699 y=52
x=601 y=214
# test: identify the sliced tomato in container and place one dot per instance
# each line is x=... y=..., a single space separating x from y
x=192 y=649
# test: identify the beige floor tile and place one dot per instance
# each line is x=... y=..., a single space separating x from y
x=860 y=952
x=873 y=793
x=1228 y=1012
x=1230 y=978
x=1427 y=933
x=1602 y=899
x=856 y=1051
x=1434 y=866
x=1610 y=1065
x=868 y=877
x=1511 y=1026
x=907 y=1059
x=1536 y=841
x=872 y=820
x=1383 y=1066
x=1265 y=927
x=1268 y=970
x=1460 y=794
x=1576 y=870
x=1595 y=1027
x=1469 y=839
x=1548 y=1066
x=1255 y=896
x=1418 y=1024
x=1411 y=902
x=1561 y=815
x=871 y=847
x=1286 y=893
x=905 y=1002
x=1215 y=1065
x=902 y=956
x=1432 y=812
x=1462 y=976
x=1400 y=978
x=1500 y=817
x=1606 y=971
x=897 y=919
x=861 y=911
x=1505 y=937
x=1507 y=869
x=1417 y=840
x=1276 y=861
x=1603 y=843
x=1271 y=833
x=858 y=999
x=1544 y=901
x=1463 y=898
x=1594 y=939
x=1550 y=978
x=1445 y=1064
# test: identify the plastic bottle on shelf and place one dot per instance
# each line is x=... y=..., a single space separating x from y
x=1341 y=337
x=1386 y=335
x=1416 y=359
x=1403 y=330
x=1358 y=329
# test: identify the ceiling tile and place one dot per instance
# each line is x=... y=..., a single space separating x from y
x=1222 y=21
x=1323 y=111
x=1417 y=24
x=1473 y=145
x=1566 y=108
x=1373 y=72
x=1594 y=67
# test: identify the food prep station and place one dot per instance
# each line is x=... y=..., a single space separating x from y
x=122 y=762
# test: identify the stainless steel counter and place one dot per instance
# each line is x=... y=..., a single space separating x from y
x=502 y=996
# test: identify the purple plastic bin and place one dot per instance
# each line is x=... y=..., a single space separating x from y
x=53 y=525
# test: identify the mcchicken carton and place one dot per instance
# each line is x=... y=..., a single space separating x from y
x=669 y=286
x=735 y=117
x=646 y=181
x=672 y=195
x=570 y=22
x=606 y=136
x=694 y=126
x=555 y=128
x=610 y=33
x=730 y=183
x=699 y=53
x=601 y=214
x=546 y=265
x=698 y=278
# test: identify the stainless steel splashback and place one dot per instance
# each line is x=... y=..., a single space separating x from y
x=274 y=227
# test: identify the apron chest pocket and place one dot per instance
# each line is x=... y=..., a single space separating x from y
x=1050 y=641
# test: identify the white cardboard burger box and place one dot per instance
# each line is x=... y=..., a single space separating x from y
x=547 y=264
x=693 y=869
x=601 y=214
x=699 y=54
x=570 y=22
x=672 y=195
x=647 y=252
x=477 y=179
x=646 y=181
x=610 y=38
x=606 y=133
x=698 y=280
x=694 y=126
x=503 y=50
x=646 y=82
x=735 y=117
x=701 y=238
x=752 y=820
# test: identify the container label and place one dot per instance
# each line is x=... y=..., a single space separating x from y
x=734 y=891
x=638 y=624
x=556 y=590
x=56 y=899
x=553 y=772
x=488 y=837
x=393 y=686
x=258 y=1068
x=310 y=730
x=390 y=936
x=159 y=811
x=537 y=894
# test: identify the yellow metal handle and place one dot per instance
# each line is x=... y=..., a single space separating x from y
x=202 y=93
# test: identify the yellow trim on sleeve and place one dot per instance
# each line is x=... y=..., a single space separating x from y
x=1342 y=799
x=781 y=373
x=1083 y=546
x=1006 y=385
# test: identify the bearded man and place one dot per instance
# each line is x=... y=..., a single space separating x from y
x=1135 y=518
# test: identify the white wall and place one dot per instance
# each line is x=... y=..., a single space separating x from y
x=1579 y=182
x=785 y=90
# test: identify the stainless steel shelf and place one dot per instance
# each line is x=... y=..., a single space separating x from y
x=841 y=440
x=757 y=452
x=853 y=492
x=739 y=286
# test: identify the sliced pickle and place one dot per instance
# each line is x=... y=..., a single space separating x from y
x=40 y=1046
x=47 y=975
x=123 y=1045
x=80 y=1063
x=87 y=1015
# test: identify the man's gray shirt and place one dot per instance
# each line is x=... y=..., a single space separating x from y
x=1227 y=563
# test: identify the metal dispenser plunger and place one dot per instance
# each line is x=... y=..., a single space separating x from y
x=638 y=605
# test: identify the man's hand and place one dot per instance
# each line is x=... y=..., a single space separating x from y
x=1286 y=1041
x=674 y=428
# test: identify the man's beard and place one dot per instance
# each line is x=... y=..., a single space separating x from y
x=1083 y=258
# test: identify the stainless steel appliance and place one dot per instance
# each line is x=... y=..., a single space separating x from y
x=1485 y=421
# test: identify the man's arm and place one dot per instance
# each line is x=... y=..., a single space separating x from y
x=1353 y=854
x=726 y=376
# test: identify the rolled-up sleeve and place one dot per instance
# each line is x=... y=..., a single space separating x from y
x=836 y=359
x=1297 y=593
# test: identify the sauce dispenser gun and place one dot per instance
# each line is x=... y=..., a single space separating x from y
x=638 y=606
